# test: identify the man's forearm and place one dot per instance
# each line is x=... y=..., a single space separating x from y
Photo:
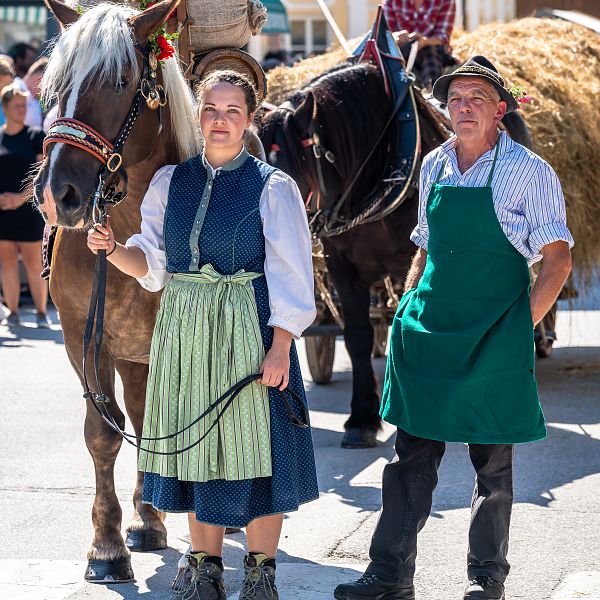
x=556 y=267
x=416 y=270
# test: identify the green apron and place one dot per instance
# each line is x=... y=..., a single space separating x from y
x=207 y=338
x=461 y=360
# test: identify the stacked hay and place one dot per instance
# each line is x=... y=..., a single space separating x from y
x=558 y=64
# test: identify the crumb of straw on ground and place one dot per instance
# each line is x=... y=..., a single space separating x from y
x=558 y=64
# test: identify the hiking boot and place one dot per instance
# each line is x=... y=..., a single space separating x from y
x=484 y=588
x=42 y=321
x=372 y=587
x=200 y=580
x=259 y=583
x=13 y=320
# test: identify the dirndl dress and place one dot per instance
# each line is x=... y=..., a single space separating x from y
x=213 y=330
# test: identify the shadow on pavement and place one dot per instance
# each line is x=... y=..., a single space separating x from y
x=568 y=381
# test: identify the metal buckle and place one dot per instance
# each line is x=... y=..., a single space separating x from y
x=109 y=163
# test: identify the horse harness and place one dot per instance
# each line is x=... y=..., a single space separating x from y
x=380 y=49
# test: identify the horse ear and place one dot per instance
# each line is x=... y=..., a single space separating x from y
x=64 y=14
x=148 y=21
x=303 y=115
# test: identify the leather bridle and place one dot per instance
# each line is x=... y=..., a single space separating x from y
x=78 y=134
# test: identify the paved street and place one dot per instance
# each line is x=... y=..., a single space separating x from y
x=46 y=488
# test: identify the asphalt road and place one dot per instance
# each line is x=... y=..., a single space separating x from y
x=47 y=488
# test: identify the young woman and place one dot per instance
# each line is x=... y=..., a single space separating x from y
x=21 y=225
x=227 y=235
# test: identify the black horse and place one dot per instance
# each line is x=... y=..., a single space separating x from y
x=346 y=110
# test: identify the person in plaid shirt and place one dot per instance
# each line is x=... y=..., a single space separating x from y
x=428 y=22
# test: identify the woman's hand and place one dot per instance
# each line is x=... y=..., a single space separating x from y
x=101 y=237
x=276 y=366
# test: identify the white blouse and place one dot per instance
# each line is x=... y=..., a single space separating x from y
x=288 y=262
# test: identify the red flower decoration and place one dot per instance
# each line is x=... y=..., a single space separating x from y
x=166 y=50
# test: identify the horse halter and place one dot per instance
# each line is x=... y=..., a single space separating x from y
x=313 y=142
x=80 y=135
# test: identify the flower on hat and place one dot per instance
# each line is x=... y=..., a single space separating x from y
x=520 y=95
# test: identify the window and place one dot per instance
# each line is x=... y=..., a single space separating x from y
x=309 y=36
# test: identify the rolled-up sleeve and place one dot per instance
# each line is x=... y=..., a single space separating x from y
x=151 y=240
x=545 y=211
x=288 y=262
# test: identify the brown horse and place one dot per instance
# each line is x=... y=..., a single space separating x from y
x=94 y=73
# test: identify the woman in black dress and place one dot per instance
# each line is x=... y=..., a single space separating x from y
x=21 y=225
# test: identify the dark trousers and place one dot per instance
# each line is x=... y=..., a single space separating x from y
x=408 y=484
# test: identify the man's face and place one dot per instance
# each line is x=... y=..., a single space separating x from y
x=33 y=83
x=475 y=108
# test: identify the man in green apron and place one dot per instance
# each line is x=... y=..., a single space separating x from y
x=461 y=361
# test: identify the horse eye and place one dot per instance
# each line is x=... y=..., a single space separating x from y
x=122 y=84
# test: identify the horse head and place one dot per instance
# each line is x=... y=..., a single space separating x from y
x=322 y=134
x=98 y=67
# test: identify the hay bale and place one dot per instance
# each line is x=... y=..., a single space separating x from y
x=558 y=64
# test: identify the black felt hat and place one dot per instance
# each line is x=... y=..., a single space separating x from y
x=477 y=66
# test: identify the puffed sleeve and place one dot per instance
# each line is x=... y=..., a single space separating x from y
x=288 y=262
x=150 y=241
x=545 y=211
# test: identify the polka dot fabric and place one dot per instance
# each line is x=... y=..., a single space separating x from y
x=231 y=239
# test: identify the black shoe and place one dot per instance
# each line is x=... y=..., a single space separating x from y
x=372 y=587
x=484 y=588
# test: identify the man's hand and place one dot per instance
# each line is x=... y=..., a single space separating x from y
x=556 y=266
x=11 y=201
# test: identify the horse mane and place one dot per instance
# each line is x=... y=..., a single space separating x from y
x=100 y=45
x=351 y=110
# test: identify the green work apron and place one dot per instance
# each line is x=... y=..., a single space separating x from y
x=461 y=360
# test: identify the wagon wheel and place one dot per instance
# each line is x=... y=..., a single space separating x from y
x=380 y=338
x=320 y=352
x=544 y=334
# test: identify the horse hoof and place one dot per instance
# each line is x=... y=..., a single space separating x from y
x=359 y=437
x=109 y=571
x=141 y=540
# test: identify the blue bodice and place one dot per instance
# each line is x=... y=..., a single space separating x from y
x=216 y=220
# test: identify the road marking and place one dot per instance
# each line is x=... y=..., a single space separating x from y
x=584 y=585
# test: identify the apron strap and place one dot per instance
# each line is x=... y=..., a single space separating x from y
x=489 y=179
x=440 y=172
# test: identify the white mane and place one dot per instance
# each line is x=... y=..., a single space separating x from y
x=100 y=44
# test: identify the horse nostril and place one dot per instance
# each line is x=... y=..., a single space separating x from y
x=67 y=196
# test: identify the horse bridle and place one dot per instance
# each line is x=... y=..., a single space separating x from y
x=76 y=133
x=313 y=144
x=329 y=223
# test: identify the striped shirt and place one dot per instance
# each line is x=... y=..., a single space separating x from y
x=527 y=194
x=434 y=18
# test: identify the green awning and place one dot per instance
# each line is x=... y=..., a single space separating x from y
x=29 y=15
x=277 y=21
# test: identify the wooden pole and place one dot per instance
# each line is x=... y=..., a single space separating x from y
x=338 y=32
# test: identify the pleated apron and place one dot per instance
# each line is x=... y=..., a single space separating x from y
x=461 y=360
x=206 y=339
